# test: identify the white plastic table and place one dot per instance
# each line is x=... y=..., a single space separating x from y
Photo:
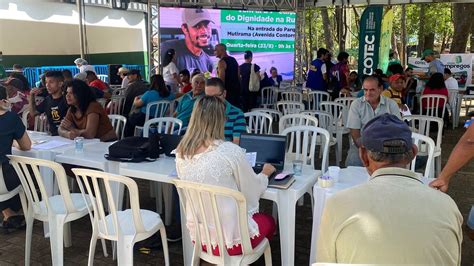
x=164 y=170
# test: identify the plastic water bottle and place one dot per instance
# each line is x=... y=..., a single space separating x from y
x=79 y=144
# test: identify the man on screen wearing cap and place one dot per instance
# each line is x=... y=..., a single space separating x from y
x=197 y=35
x=363 y=109
x=393 y=218
x=435 y=65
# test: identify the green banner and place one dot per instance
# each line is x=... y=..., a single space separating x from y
x=259 y=45
x=369 y=39
x=385 y=40
x=257 y=17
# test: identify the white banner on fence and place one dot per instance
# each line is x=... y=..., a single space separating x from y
x=460 y=66
x=418 y=65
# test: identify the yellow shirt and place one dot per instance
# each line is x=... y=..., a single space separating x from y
x=393 y=94
x=393 y=218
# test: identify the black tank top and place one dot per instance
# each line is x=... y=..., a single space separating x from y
x=232 y=83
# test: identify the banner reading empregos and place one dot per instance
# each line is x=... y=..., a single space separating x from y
x=193 y=34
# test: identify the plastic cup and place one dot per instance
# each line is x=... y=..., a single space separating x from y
x=333 y=172
x=297 y=167
x=79 y=144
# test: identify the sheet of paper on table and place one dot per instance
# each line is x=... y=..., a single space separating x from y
x=51 y=144
x=251 y=158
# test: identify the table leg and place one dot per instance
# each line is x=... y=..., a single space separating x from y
x=319 y=195
x=286 y=219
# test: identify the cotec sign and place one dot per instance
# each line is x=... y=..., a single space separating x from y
x=369 y=52
x=369 y=39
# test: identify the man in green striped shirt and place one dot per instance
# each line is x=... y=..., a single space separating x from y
x=235 y=123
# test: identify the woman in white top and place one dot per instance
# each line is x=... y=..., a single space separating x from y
x=170 y=71
x=83 y=65
x=203 y=156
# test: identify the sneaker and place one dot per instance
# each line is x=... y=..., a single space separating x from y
x=173 y=233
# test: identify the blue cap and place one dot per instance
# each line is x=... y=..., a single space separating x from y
x=387 y=134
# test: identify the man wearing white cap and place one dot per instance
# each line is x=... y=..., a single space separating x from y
x=197 y=30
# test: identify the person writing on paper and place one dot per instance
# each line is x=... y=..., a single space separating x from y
x=393 y=218
x=202 y=149
x=395 y=92
x=11 y=128
x=85 y=116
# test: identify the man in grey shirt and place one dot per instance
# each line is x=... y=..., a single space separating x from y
x=435 y=65
x=197 y=35
x=362 y=110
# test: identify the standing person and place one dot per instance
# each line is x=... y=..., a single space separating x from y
x=123 y=72
x=250 y=97
x=362 y=110
x=435 y=65
x=83 y=65
x=54 y=105
x=11 y=128
x=170 y=71
x=450 y=82
x=460 y=156
x=275 y=79
x=158 y=91
x=190 y=52
x=85 y=116
x=317 y=74
x=393 y=218
x=339 y=74
x=136 y=87
x=410 y=88
x=228 y=72
x=203 y=156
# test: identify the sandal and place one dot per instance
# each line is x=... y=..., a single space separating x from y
x=14 y=222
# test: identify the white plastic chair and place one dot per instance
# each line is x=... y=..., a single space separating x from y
x=118 y=122
x=6 y=194
x=41 y=121
x=433 y=103
x=164 y=125
x=273 y=112
x=160 y=109
x=338 y=113
x=286 y=107
x=57 y=210
x=104 y=78
x=468 y=101
x=453 y=102
x=325 y=121
x=346 y=101
x=422 y=124
x=119 y=91
x=300 y=119
x=426 y=143
x=315 y=98
x=102 y=102
x=116 y=104
x=125 y=227
x=291 y=96
x=269 y=97
x=259 y=122
x=201 y=202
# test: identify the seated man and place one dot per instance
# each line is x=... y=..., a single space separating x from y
x=136 y=87
x=393 y=218
x=186 y=105
x=235 y=124
x=363 y=109
x=54 y=105
x=395 y=92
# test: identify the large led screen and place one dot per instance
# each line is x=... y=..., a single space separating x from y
x=193 y=34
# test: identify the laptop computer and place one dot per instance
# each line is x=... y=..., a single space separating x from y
x=269 y=149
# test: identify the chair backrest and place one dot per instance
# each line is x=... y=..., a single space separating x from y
x=304 y=148
x=286 y=107
x=346 y=101
x=104 y=203
x=41 y=121
x=259 y=122
x=433 y=103
x=118 y=122
x=453 y=99
x=291 y=96
x=102 y=101
x=336 y=110
x=300 y=119
x=423 y=125
x=157 y=109
x=316 y=97
x=104 y=78
x=29 y=172
x=325 y=120
x=164 y=125
x=426 y=143
x=202 y=202
x=119 y=91
x=269 y=96
x=116 y=105
x=273 y=112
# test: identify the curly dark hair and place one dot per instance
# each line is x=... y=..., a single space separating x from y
x=83 y=93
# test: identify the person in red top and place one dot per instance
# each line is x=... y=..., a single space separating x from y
x=185 y=80
x=94 y=81
x=435 y=85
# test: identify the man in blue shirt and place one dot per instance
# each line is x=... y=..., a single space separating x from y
x=235 y=123
x=435 y=65
x=317 y=74
x=186 y=105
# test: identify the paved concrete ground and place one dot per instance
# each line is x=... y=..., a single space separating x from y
x=12 y=245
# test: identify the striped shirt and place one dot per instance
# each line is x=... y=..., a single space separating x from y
x=235 y=124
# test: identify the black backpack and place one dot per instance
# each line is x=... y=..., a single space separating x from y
x=134 y=149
